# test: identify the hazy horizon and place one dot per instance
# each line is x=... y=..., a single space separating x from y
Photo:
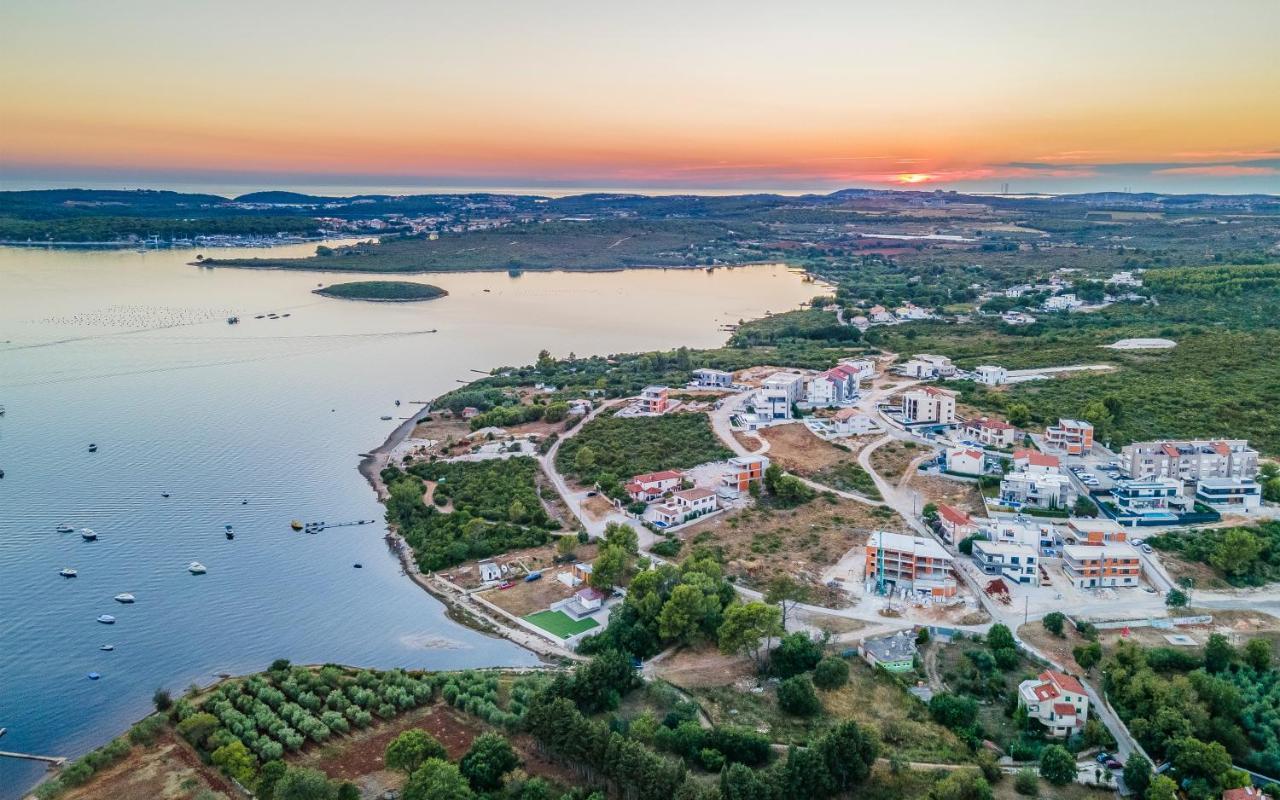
x=672 y=96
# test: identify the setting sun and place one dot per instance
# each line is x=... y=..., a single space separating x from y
x=915 y=177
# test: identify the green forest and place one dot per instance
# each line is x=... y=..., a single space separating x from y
x=1201 y=711
x=609 y=450
x=495 y=508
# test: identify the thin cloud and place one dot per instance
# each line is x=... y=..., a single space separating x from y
x=1218 y=171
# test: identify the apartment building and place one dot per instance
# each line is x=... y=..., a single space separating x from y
x=1057 y=701
x=990 y=432
x=1108 y=565
x=837 y=386
x=712 y=378
x=1232 y=495
x=1190 y=461
x=1037 y=490
x=1019 y=563
x=1144 y=497
x=924 y=365
x=864 y=368
x=929 y=405
x=777 y=394
x=1094 y=532
x=1071 y=436
x=897 y=562
x=1042 y=536
x=743 y=471
x=653 y=399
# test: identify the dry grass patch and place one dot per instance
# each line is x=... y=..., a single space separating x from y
x=531 y=559
x=704 y=666
x=524 y=598
x=167 y=770
x=891 y=459
x=759 y=543
x=963 y=495
x=796 y=449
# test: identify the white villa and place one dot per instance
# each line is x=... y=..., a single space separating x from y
x=1056 y=701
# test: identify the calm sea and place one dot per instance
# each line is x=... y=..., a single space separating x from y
x=250 y=425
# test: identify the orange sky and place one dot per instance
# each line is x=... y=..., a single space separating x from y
x=700 y=94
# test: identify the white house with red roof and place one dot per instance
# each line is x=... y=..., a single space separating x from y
x=990 y=432
x=966 y=461
x=956 y=525
x=837 y=386
x=653 y=485
x=1055 y=700
x=1036 y=462
x=684 y=506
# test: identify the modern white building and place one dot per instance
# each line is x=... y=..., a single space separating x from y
x=864 y=368
x=942 y=366
x=1019 y=563
x=684 y=506
x=776 y=395
x=929 y=404
x=1037 y=490
x=991 y=375
x=1232 y=495
x=1062 y=302
x=708 y=378
x=1147 y=497
x=1041 y=536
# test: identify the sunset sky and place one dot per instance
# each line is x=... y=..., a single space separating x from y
x=1046 y=96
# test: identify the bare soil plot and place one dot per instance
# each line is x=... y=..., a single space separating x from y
x=168 y=770
x=758 y=543
x=703 y=666
x=524 y=598
x=531 y=559
x=598 y=507
x=958 y=494
x=796 y=449
x=830 y=623
x=891 y=459
x=450 y=434
x=750 y=441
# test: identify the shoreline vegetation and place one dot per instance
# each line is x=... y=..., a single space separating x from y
x=382 y=291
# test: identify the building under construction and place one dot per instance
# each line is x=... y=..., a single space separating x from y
x=899 y=563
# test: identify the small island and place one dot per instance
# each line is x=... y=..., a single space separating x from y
x=383 y=291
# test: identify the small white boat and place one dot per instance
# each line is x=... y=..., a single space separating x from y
x=68 y=572
x=88 y=535
x=196 y=568
x=125 y=597
x=64 y=528
x=108 y=647
x=107 y=619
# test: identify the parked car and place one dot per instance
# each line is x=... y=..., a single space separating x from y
x=1136 y=542
x=1146 y=548
x=505 y=585
x=1113 y=764
x=1102 y=757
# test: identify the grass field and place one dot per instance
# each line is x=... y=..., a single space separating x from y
x=560 y=623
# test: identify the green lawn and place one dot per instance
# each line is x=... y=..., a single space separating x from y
x=560 y=623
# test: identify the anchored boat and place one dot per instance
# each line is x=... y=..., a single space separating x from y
x=125 y=597
x=196 y=568
x=88 y=535
x=68 y=572
x=107 y=619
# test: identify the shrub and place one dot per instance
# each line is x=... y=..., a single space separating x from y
x=711 y=760
x=831 y=673
x=796 y=696
x=1057 y=766
x=1054 y=622
x=1027 y=782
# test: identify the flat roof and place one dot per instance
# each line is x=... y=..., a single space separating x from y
x=1228 y=483
x=1004 y=548
x=907 y=544
x=1086 y=525
x=1117 y=550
